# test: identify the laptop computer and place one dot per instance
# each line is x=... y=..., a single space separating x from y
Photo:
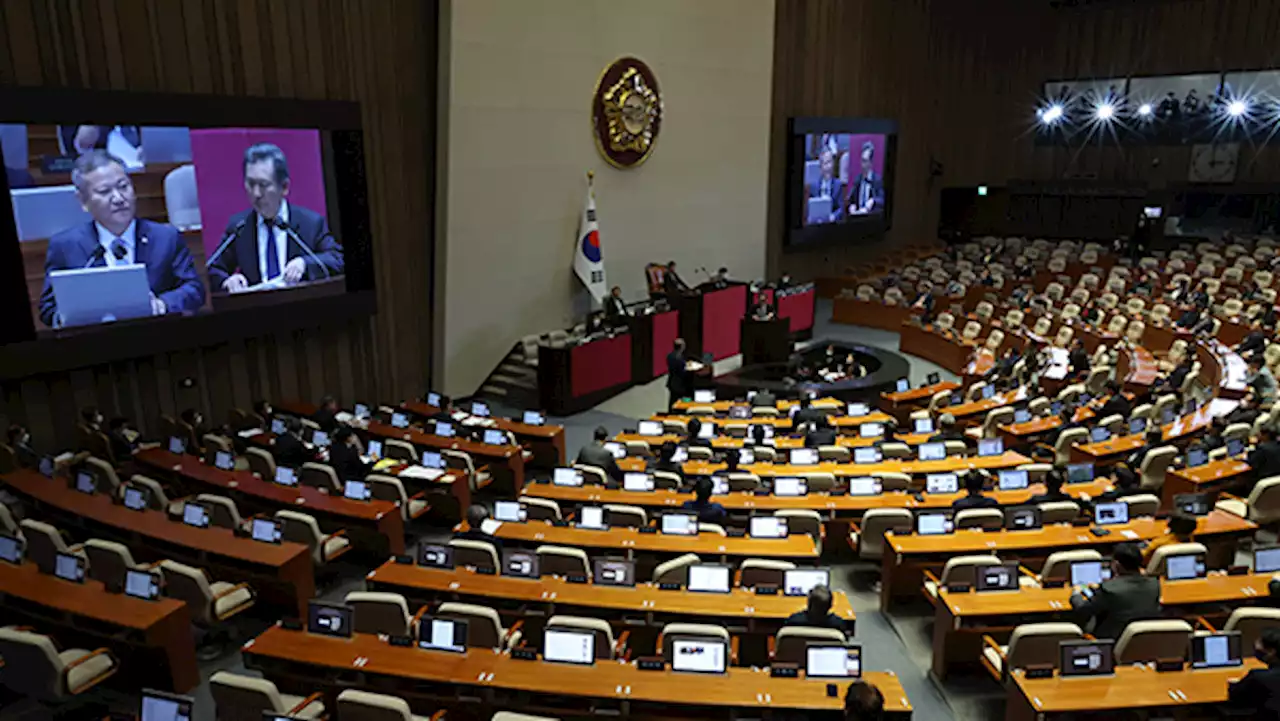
x=88 y=296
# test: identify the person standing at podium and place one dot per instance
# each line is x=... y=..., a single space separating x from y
x=275 y=241
x=117 y=237
x=679 y=381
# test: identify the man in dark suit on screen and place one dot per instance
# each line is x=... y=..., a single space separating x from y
x=866 y=195
x=274 y=242
x=117 y=237
x=829 y=186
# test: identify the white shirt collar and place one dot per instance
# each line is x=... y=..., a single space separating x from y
x=105 y=238
x=282 y=215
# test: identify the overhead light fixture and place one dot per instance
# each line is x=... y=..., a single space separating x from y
x=1145 y=110
x=1237 y=108
x=1051 y=114
x=1106 y=111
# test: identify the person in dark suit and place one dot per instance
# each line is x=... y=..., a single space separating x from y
x=1052 y=489
x=863 y=702
x=764 y=399
x=1078 y=357
x=807 y=413
x=866 y=194
x=275 y=241
x=666 y=452
x=615 y=308
x=344 y=456
x=679 y=380
x=1264 y=459
x=1116 y=404
x=1126 y=484
x=693 y=440
x=821 y=434
x=948 y=430
x=476 y=516
x=263 y=413
x=673 y=284
x=595 y=454
x=446 y=410
x=973 y=498
x=1259 y=690
x=117 y=237
x=1154 y=439
x=762 y=310
x=121 y=437
x=1129 y=595
x=19 y=439
x=707 y=510
x=817 y=612
x=1255 y=341
x=827 y=185
x=326 y=415
x=288 y=449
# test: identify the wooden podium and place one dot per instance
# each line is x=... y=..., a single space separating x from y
x=765 y=341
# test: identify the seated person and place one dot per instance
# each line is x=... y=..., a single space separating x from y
x=344 y=456
x=807 y=413
x=595 y=454
x=1255 y=341
x=1053 y=492
x=1126 y=484
x=973 y=498
x=1154 y=438
x=446 y=411
x=195 y=421
x=1179 y=373
x=476 y=516
x=695 y=427
x=820 y=434
x=263 y=412
x=1215 y=437
x=1264 y=459
x=817 y=612
x=19 y=439
x=948 y=430
x=1262 y=384
x=664 y=463
x=1129 y=595
x=1078 y=358
x=1180 y=530
x=757 y=435
x=288 y=448
x=708 y=511
x=326 y=415
x=863 y=702
x=1116 y=403
x=122 y=439
x=1259 y=690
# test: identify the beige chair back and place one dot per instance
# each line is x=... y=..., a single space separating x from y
x=676 y=570
x=964 y=569
x=222 y=510
x=33 y=666
x=1036 y=644
x=244 y=698
x=540 y=509
x=1148 y=641
x=792 y=642
x=1154 y=466
x=618 y=514
x=875 y=522
x=1250 y=621
x=802 y=520
x=189 y=585
x=479 y=554
x=377 y=612
x=563 y=561
x=108 y=561
x=356 y=705
x=1160 y=559
x=320 y=475
x=763 y=572
x=980 y=518
x=1058 y=565
x=44 y=543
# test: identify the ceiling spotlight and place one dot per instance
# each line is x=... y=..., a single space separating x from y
x=1052 y=114
x=1145 y=110
x=1237 y=108
x=1106 y=111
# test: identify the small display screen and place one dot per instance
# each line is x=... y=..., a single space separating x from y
x=329 y=619
x=520 y=564
x=286 y=476
x=142 y=584
x=442 y=634
x=680 y=524
x=833 y=662
x=1013 y=480
x=69 y=568
x=709 y=579
x=864 y=486
x=699 y=656
x=136 y=497
x=1216 y=650
x=611 y=572
x=1079 y=472
x=434 y=555
x=1086 y=658
x=768 y=527
x=942 y=483
x=799 y=581
x=266 y=530
x=566 y=477
x=990 y=447
x=934 y=524
x=1109 y=514
x=1089 y=573
x=569 y=647
x=932 y=451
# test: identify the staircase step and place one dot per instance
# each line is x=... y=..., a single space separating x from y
x=494 y=390
x=513 y=381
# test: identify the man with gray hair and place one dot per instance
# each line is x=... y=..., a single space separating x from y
x=117 y=237
x=275 y=242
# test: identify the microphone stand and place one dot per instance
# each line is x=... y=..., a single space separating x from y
x=226 y=240
x=289 y=230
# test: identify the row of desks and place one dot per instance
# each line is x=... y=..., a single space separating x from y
x=950 y=464
x=629 y=541
x=610 y=688
x=281 y=573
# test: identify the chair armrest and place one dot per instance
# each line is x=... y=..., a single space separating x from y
x=150 y=566
x=233 y=589
x=620 y=646
x=420 y=495
x=66 y=671
x=1028 y=572
x=733 y=649
x=1202 y=622
x=931 y=576
x=991 y=643
x=1230 y=497
x=306 y=702
x=773 y=646
x=439 y=715
x=511 y=632
x=417 y=617
x=340 y=533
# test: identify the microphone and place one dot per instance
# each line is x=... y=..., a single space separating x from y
x=119 y=252
x=98 y=254
x=292 y=232
x=226 y=239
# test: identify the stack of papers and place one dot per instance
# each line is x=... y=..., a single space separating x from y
x=490 y=526
x=250 y=433
x=422 y=473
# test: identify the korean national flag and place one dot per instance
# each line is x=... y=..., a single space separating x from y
x=588 y=256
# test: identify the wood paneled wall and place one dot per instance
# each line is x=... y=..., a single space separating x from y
x=381 y=54
x=962 y=78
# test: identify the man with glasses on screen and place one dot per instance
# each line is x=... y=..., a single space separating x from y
x=117 y=237
x=275 y=242
x=827 y=185
x=867 y=192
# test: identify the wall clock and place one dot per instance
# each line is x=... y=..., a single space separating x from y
x=1214 y=163
x=626 y=113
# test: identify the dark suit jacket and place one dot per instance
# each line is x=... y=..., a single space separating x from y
x=27 y=456
x=326 y=420
x=764 y=399
x=288 y=450
x=673 y=284
x=876 y=193
x=170 y=271
x=677 y=374
x=824 y=437
x=1265 y=459
x=1116 y=405
x=241 y=255
x=1117 y=602
x=1259 y=692
x=838 y=195
x=614 y=308
x=347 y=464
x=807 y=415
x=966 y=502
x=595 y=454
x=801 y=618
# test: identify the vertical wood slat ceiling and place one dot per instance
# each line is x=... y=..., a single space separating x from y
x=962 y=78
x=381 y=54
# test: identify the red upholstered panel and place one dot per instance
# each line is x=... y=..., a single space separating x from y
x=722 y=311
x=600 y=364
x=666 y=328
x=798 y=308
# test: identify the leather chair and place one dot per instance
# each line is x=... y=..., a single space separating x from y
x=563 y=561
x=676 y=570
x=245 y=698
x=477 y=554
x=1148 y=641
x=763 y=572
x=1030 y=644
x=792 y=642
x=382 y=613
x=35 y=668
x=869 y=536
x=484 y=627
x=44 y=543
x=356 y=705
x=301 y=528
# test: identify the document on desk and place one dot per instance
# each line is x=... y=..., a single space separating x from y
x=490 y=526
x=250 y=433
x=1131 y=535
x=421 y=473
x=343 y=417
x=477 y=421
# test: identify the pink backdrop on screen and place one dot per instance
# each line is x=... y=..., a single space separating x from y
x=218 y=155
x=855 y=154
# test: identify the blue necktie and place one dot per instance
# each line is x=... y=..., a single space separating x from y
x=273 y=260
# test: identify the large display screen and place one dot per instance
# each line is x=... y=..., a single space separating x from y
x=124 y=223
x=841 y=180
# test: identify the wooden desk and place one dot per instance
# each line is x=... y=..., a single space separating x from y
x=430 y=678
x=890 y=402
x=798 y=546
x=906 y=556
x=506 y=463
x=870 y=313
x=374 y=526
x=157 y=633
x=546 y=442
x=1016 y=433
x=951 y=464
x=280 y=573
x=1212 y=477
x=981 y=407
x=961 y=619
x=1139 y=368
x=835 y=504
x=761 y=614
x=1118 y=446
x=779 y=423
x=779 y=442
x=1132 y=687
x=722 y=407
x=951 y=352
